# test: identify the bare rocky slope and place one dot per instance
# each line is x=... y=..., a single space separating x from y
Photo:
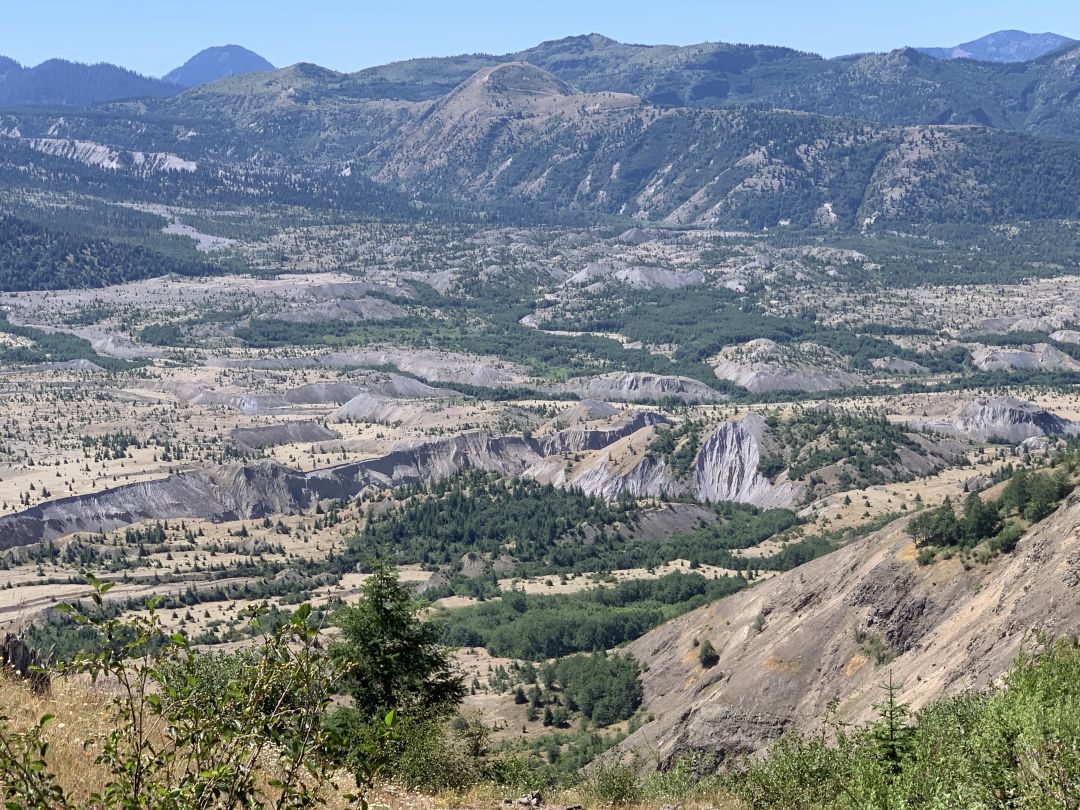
x=254 y=438
x=1040 y=357
x=639 y=387
x=727 y=467
x=790 y=646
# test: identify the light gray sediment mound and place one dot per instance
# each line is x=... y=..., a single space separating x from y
x=1000 y=418
x=121 y=347
x=642 y=277
x=378 y=410
x=334 y=393
x=588 y=410
x=895 y=365
x=1066 y=336
x=255 y=438
x=636 y=236
x=347 y=311
x=638 y=387
x=354 y=290
x=66 y=365
x=1015 y=324
x=248 y=402
x=388 y=384
x=1040 y=357
x=762 y=365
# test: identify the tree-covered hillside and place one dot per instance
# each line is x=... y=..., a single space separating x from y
x=900 y=88
x=33 y=258
x=60 y=83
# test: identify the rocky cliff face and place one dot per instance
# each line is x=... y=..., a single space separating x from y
x=727 y=467
x=579 y=439
x=425 y=461
x=231 y=492
x=648 y=478
x=791 y=645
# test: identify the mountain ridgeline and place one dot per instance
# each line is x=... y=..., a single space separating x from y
x=902 y=87
x=586 y=127
x=62 y=83
x=1004 y=46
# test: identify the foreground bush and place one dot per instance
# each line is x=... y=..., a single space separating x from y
x=1014 y=747
x=190 y=730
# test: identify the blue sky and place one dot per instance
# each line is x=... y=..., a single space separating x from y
x=153 y=36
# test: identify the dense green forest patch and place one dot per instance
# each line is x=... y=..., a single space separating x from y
x=541 y=627
x=544 y=530
x=33 y=257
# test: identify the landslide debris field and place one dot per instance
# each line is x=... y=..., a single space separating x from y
x=585 y=395
x=548 y=415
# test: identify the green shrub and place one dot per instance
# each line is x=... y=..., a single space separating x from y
x=1017 y=746
x=1007 y=538
x=242 y=731
x=708 y=657
x=430 y=758
x=612 y=783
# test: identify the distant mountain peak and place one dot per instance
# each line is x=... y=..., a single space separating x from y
x=1004 y=46
x=594 y=40
x=216 y=63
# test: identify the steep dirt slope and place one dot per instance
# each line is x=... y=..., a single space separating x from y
x=788 y=647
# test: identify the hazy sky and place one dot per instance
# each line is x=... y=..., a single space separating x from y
x=153 y=36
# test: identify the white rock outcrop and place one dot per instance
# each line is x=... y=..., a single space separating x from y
x=727 y=468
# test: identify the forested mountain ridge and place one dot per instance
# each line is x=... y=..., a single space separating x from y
x=901 y=87
x=710 y=134
x=60 y=83
x=514 y=135
x=63 y=83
